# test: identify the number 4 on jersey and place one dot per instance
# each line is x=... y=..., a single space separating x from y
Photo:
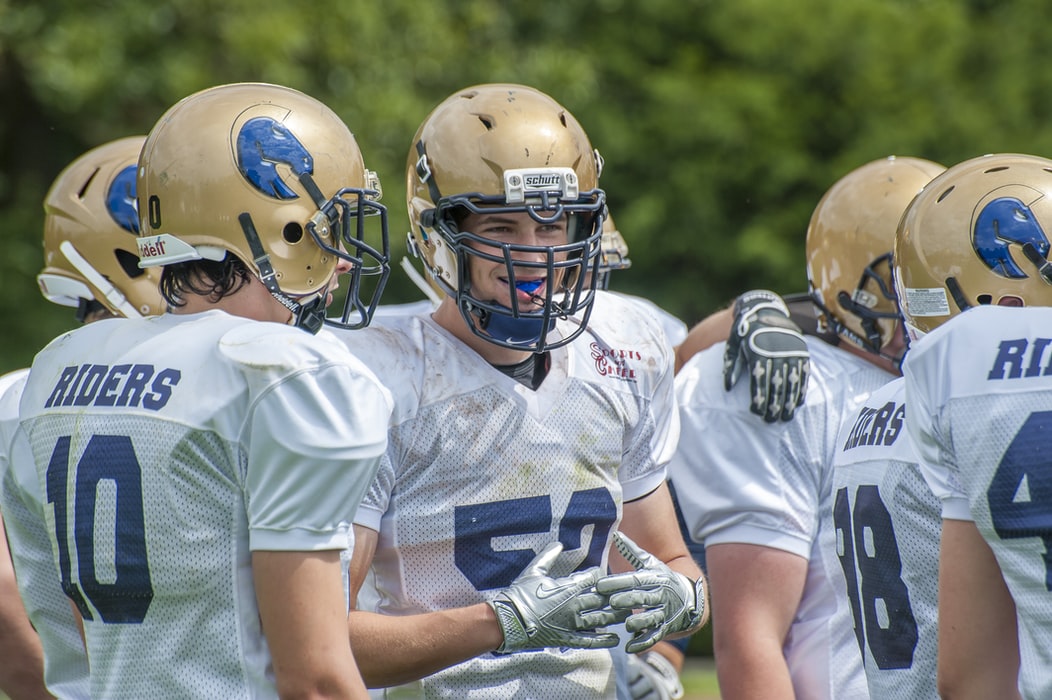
x=1019 y=492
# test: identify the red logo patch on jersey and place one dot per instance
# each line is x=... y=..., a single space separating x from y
x=611 y=362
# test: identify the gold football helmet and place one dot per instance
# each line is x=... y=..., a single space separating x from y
x=90 y=225
x=507 y=149
x=274 y=177
x=976 y=235
x=614 y=252
x=849 y=243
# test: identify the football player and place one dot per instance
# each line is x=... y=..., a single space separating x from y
x=888 y=526
x=533 y=419
x=91 y=263
x=758 y=494
x=973 y=279
x=202 y=466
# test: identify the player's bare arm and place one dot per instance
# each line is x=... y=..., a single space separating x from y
x=391 y=650
x=756 y=591
x=977 y=619
x=301 y=602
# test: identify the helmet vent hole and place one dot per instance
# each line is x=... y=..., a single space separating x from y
x=996 y=170
x=562 y=118
x=984 y=299
x=946 y=194
x=87 y=184
x=293 y=232
x=486 y=122
x=129 y=262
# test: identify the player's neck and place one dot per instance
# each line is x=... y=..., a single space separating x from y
x=250 y=301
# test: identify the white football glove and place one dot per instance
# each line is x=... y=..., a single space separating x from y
x=772 y=347
x=652 y=677
x=538 y=611
x=668 y=602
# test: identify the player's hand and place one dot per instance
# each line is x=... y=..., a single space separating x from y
x=771 y=348
x=652 y=677
x=660 y=601
x=538 y=611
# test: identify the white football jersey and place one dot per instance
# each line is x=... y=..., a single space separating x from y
x=65 y=663
x=979 y=389
x=675 y=329
x=888 y=528
x=482 y=472
x=411 y=308
x=169 y=449
x=741 y=480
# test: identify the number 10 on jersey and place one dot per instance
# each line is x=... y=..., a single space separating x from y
x=108 y=461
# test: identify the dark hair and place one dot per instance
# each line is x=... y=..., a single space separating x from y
x=207 y=278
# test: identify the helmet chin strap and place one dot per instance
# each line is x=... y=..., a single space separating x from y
x=309 y=314
x=870 y=344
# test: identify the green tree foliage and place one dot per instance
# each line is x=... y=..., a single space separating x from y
x=721 y=123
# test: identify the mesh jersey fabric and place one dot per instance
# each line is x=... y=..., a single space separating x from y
x=65 y=663
x=888 y=528
x=482 y=472
x=172 y=447
x=980 y=394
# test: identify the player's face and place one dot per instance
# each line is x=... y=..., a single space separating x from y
x=342 y=268
x=489 y=279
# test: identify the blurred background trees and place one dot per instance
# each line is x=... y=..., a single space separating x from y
x=722 y=122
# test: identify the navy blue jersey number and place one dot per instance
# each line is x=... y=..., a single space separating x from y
x=880 y=601
x=112 y=458
x=478 y=525
x=1026 y=460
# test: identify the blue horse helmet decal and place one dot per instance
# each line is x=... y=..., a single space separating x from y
x=120 y=200
x=262 y=145
x=1003 y=221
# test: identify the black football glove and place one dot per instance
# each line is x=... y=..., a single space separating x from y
x=772 y=348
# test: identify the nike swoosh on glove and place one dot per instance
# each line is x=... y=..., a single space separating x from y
x=537 y=611
x=660 y=601
x=765 y=342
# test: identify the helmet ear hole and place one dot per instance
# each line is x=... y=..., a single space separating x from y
x=292 y=233
x=129 y=263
